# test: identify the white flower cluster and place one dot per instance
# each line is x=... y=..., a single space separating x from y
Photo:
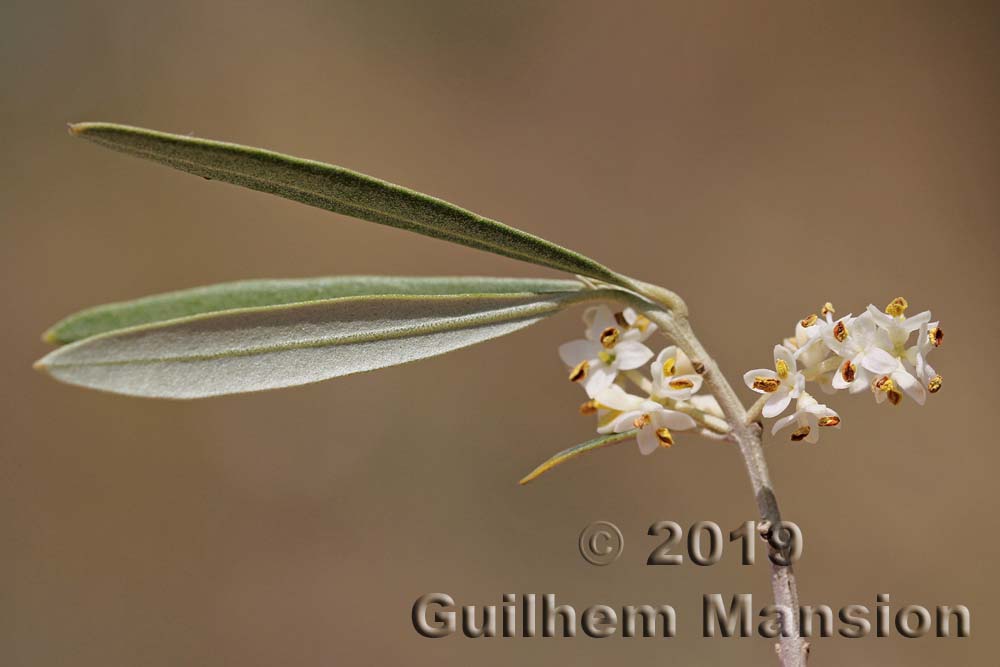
x=609 y=357
x=872 y=351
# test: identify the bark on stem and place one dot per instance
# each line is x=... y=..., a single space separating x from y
x=792 y=651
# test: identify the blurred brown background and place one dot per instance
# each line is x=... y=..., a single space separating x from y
x=759 y=158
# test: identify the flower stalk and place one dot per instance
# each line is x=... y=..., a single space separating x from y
x=745 y=429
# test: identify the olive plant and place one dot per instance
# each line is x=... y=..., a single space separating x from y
x=264 y=334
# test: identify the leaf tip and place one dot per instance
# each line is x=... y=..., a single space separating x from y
x=51 y=337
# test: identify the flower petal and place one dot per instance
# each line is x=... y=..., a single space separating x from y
x=776 y=404
x=671 y=419
x=911 y=324
x=879 y=361
x=909 y=384
x=617 y=398
x=648 y=442
x=625 y=421
x=598 y=379
x=784 y=422
x=631 y=354
x=598 y=318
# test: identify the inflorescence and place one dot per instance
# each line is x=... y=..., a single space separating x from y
x=872 y=351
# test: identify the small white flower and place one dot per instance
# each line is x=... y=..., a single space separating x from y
x=674 y=375
x=894 y=328
x=639 y=326
x=652 y=419
x=851 y=339
x=596 y=360
x=809 y=417
x=929 y=337
x=888 y=361
x=813 y=358
x=784 y=383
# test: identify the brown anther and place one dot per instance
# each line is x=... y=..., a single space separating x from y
x=827 y=309
x=800 y=433
x=894 y=396
x=840 y=331
x=579 y=371
x=809 y=321
x=663 y=435
x=620 y=319
x=848 y=371
x=609 y=337
x=935 y=336
x=766 y=385
x=699 y=367
x=588 y=407
x=669 y=366
x=641 y=420
x=897 y=306
x=781 y=366
x=681 y=383
x=934 y=384
x=829 y=421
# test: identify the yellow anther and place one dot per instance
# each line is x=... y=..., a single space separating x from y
x=827 y=309
x=782 y=367
x=934 y=384
x=641 y=322
x=897 y=306
x=588 y=407
x=840 y=331
x=606 y=357
x=829 y=421
x=669 y=366
x=936 y=336
x=809 y=321
x=579 y=371
x=663 y=435
x=884 y=384
x=800 y=433
x=766 y=385
x=680 y=383
x=609 y=337
x=641 y=421
x=848 y=371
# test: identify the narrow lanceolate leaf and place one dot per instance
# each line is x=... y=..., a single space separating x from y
x=280 y=346
x=341 y=191
x=260 y=293
x=578 y=450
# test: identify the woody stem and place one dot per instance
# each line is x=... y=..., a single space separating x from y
x=746 y=430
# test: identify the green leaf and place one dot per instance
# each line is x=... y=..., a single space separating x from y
x=259 y=293
x=253 y=349
x=341 y=191
x=578 y=450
